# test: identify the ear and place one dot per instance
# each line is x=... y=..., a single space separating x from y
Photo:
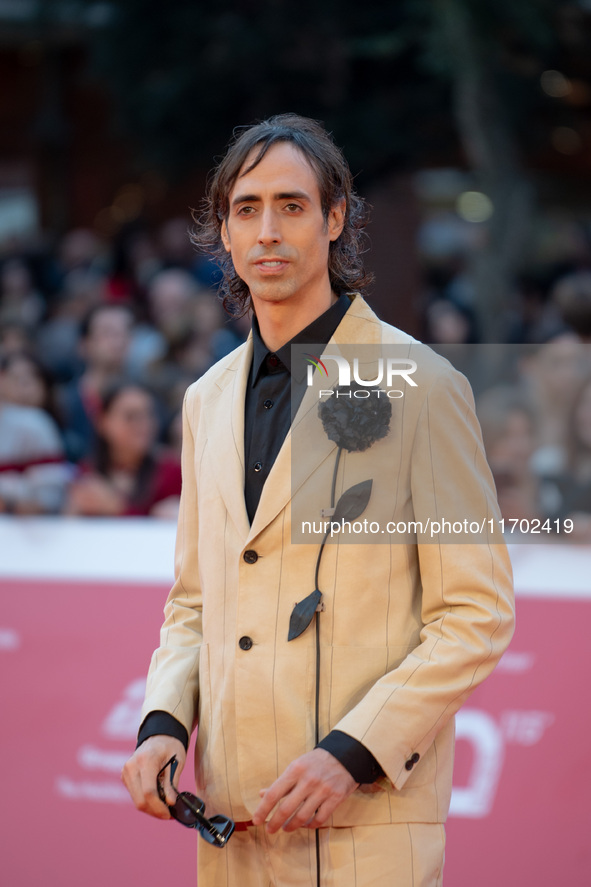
x=336 y=219
x=225 y=236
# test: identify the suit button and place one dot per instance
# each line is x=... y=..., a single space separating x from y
x=245 y=643
x=414 y=759
x=268 y=404
x=250 y=556
x=258 y=466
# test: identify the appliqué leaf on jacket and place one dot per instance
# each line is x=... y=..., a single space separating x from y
x=353 y=502
x=354 y=424
x=302 y=614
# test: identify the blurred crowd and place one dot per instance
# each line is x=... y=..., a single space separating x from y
x=98 y=344
x=536 y=426
x=533 y=393
x=97 y=347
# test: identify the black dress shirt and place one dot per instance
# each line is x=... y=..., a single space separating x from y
x=272 y=397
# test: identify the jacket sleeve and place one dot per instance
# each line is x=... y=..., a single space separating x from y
x=172 y=684
x=467 y=607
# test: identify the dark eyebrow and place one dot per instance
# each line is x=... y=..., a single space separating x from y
x=245 y=198
x=292 y=195
x=283 y=195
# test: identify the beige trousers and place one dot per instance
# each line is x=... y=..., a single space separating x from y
x=398 y=855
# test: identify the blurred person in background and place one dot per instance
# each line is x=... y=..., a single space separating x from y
x=449 y=322
x=549 y=376
x=450 y=326
x=173 y=433
x=143 y=258
x=128 y=474
x=572 y=295
x=105 y=337
x=33 y=468
x=26 y=381
x=123 y=285
x=531 y=315
x=170 y=297
x=207 y=336
x=509 y=434
x=57 y=339
x=19 y=300
x=217 y=333
x=80 y=250
x=14 y=337
x=174 y=245
x=574 y=483
x=188 y=336
x=176 y=252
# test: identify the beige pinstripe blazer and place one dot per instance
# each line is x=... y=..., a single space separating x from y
x=408 y=631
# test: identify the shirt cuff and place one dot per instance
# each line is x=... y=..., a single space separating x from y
x=354 y=756
x=161 y=723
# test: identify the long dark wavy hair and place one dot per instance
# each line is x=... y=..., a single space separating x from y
x=345 y=265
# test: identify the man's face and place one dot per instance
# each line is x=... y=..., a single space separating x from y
x=276 y=232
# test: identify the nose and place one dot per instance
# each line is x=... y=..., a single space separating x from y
x=269 y=231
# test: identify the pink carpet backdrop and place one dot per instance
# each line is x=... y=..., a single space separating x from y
x=81 y=604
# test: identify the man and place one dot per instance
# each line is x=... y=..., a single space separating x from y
x=408 y=628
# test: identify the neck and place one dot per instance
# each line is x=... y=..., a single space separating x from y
x=280 y=321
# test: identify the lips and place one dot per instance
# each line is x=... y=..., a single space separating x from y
x=271 y=261
x=270 y=265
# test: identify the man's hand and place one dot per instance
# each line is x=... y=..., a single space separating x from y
x=306 y=793
x=140 y=774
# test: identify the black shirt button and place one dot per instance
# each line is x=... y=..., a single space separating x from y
x=245 y=643
x=257 y=466
x=268 y=404
x=250 y=556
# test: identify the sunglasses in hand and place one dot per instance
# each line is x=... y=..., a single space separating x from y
x=188 y=810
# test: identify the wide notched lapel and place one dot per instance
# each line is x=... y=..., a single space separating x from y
x=306 y=446
x=224 y=417
x=302 y=452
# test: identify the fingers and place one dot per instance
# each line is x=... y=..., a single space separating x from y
x=312 y=811
x=140 y=774
x=271 y=796
x=308 y=804
x=306 y=794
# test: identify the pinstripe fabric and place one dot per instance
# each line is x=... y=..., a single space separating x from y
x=400 y=855
x=408 y=631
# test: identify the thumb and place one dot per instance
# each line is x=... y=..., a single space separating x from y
x=171 y=788
x=168 y=785
x=170 y=795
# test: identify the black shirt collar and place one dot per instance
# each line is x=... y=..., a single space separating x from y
x=319 y=332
